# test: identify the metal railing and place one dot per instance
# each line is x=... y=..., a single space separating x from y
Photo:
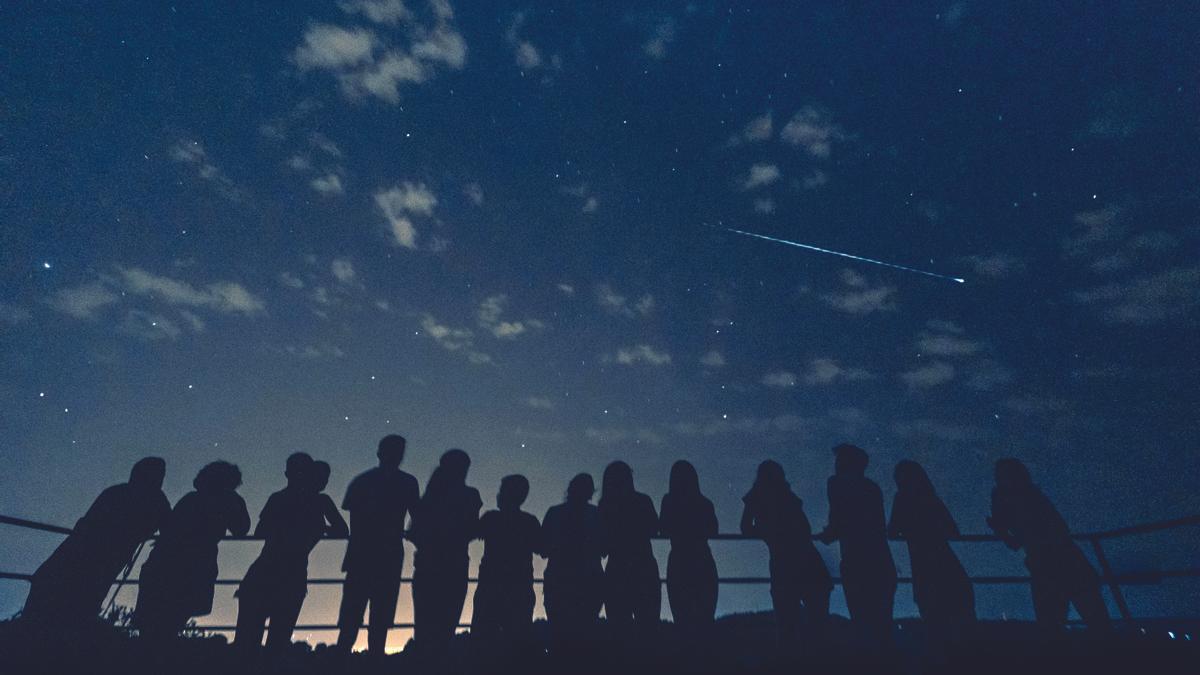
x=1114 y=581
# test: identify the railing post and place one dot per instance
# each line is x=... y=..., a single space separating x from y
x=1113 y=586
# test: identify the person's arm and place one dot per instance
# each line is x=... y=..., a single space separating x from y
x=546 y=535
x=1001 y=524
x=239 y=523
x=830 y=533
x=710 y=525
x=266 y=519
x=749 y=525
x=894 y=528
x=335 y=523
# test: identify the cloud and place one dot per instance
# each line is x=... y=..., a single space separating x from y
x=567 y=289
x=756 y=130
x=826 y=371
x=642 y=353
x=815 y=179
x=291 y=281
x=526 y=54
x=329 y=185
x=342 y=270
x=614 y=303
x=1093 y=229
x=400 y=202
x=459 y=340
x=712 y=359
x=611 y=435
x=812 y=130
x=661 y=37
x=528 y=57
x=994 y=265
x=941 y=344
x=83 y=302
x=366 y=63
x=539 y=403
x=764 y=205
x=590 y=205
x=192 y=153
x=760 y=175
x=489 y=315
x=1170 y=294
x=149 y=327
x=780 y=379
x=221 y=296
x=931 y=375
x=858 y=297
x=748 y=426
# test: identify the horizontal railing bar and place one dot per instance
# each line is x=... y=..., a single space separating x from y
x=1125 y=579
x=1144 y=528
x=34 y=525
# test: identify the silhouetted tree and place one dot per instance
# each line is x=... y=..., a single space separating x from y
x=178 y=578
x=856 y=520
x=632 y=590
x=379 y=500
x=504 y=598
x=688 y=519
x=574 y=577
x=1059 y=572
x=800 y=581
x=444 y=523
x=941 y=588
x=69 y=587
x=292 y=522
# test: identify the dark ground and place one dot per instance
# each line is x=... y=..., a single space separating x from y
x=738 y=644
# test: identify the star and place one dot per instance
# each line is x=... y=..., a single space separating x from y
x=45 y=265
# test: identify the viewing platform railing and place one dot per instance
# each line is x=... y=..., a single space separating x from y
x=1113 y=581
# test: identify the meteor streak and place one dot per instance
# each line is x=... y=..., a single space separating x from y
x=846 y=255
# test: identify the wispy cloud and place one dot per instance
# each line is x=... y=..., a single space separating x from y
x=148 y=326
x=343 y=270
x=662 y=34
x=539 y=402
x=812 y=130
x=760 y=175
x=712 y=359
x=12 y=315
x=1170 y=294
x=932 y=374
x=858 y=297
x=642 y=354
x=399 y=204
x=826 y=371
x=221 y=296
x=615 y=303
x=329 y=185
x=781 y=425
x=405 y=48
x=757 y=130
x=490 y=315
x=459 y=340
x=994 y=265
x=192 y=153
x=84 y=302
x=780 y=379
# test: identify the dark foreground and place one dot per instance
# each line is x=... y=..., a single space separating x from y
x=738 y=644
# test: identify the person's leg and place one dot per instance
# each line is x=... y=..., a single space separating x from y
x=283 y=620
x=1050 y=604
x=384 y=596
x=1089 y=602
x=350 y=614
x=251 y=617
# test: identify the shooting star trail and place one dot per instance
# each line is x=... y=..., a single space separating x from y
x=846 y=255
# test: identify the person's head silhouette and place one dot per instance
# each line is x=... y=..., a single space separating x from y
x=320 y=475
x=391 y=451
x=580 y=489
x=849 y=460
x=219 y=476
x=455 y=464
x=770 y=477
x=1011 y=473
x=148 y=473
x=912 y=479
x=617 y=481
x=514 y=490
x=298 y=469
x=684 y=482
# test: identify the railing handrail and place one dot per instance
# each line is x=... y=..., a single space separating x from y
x=1142 y=528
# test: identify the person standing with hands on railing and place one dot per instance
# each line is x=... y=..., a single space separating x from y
x=688 y=519
x=379 y=500
x=1060 y=575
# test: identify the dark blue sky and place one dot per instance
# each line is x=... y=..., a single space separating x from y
x=237 y=233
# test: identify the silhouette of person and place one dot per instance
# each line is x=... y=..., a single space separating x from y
x=688 y=519
x=1059 y=572
x=444 y=523
x=800 y=581
x=941 y=587
x=178 y=578
x=292 y=522
x=69 y=587
x=379 y=500
x=504 y=598
x=573 y=547
x=856 y=520
x=628 y=521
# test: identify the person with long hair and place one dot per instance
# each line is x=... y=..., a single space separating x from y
x=178 y=578
x=628 y=521
x=444 y=523
x=573 y=548
x=1060 y=575
x=688 y=519
x=941 y=588
x=800 y=581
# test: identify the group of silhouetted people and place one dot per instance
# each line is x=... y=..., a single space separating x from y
x=575 y=537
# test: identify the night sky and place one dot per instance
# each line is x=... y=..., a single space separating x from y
x=241 y=232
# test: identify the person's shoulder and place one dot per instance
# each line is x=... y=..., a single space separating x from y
x=408 y=480
x=529 y=519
